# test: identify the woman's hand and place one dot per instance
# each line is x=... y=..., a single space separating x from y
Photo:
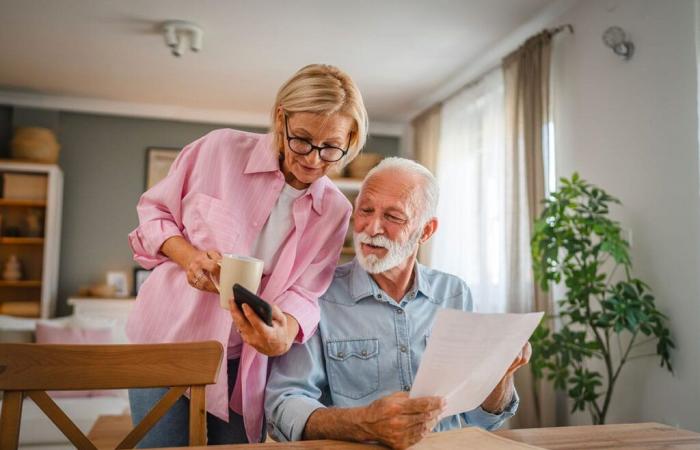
x=196 y=263
x=271 y=341
x=200 y=266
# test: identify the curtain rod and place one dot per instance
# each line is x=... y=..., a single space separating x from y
x=552 y=31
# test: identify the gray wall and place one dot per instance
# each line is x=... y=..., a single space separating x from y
x=103 y=162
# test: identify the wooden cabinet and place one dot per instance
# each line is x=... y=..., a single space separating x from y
x=30 y=228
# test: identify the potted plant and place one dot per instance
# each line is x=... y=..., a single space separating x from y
x=606 y=313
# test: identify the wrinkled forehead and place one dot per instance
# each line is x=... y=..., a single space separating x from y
x=392 y=189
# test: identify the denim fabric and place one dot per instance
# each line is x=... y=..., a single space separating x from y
x=173 y=428
x=367 y=346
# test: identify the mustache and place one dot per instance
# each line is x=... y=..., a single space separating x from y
x=377 y=241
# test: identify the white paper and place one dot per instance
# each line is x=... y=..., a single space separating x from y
x=468 y=354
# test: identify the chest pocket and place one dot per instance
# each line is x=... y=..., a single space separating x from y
x=353 y=367
x=210 y=223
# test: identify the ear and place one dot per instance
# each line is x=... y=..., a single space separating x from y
x=428 y=230
x=279 y=119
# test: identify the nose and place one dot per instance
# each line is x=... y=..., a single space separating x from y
x=313 y=159
x=374 y=226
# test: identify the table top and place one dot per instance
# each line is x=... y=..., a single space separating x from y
x=638 y=436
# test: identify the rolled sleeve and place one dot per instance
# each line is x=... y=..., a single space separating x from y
x=484 y=419
x=301 y=299
x=160 y=209
x=147 y=239
x=294 y=389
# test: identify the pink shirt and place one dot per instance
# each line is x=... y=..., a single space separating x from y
x=218 y=195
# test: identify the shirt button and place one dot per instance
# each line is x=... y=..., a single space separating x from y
x=403 y=349
x=341 y=354
x=255 y=224
x=407 y=388
x=364 y=352
x=399 y=311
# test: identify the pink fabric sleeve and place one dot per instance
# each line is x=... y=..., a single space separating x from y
x=160 y=210
x=301 y=299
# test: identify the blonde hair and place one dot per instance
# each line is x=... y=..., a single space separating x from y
x=323 y=89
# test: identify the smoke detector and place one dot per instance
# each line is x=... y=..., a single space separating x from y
x=179 y=34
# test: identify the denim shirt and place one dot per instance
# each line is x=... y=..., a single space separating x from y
x=367 y=346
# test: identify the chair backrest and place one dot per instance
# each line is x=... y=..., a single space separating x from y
x=32 y=369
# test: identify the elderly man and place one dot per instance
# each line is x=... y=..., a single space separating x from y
x=350 y=381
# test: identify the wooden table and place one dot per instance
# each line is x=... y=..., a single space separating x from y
x=638 y=436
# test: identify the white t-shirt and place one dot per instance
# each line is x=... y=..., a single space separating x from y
x=277 y=228
x=268 y=245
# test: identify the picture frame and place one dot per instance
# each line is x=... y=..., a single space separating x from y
x=119 y=280
x=158 y=162
x=140 y=275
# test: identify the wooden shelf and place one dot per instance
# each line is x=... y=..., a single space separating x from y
x=22 y=240
x=27 y=203
x=21 y=283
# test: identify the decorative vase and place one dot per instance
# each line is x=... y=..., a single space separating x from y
x=13 y=269
x=35 y=144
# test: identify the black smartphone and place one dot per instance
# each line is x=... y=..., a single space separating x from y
x=259 y=306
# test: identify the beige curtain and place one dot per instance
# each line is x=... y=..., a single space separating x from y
x=426 y=141
x=526 y=84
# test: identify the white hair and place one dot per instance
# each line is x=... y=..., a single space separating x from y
x=430 y=192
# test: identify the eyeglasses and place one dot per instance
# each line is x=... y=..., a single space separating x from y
x=302 y=146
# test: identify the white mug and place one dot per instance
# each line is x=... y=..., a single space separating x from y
x=244 y=270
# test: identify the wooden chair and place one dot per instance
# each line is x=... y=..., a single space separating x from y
x=32 y=369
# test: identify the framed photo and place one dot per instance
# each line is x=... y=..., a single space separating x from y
x=158 y=162
x=140 y=276
x=120 y=281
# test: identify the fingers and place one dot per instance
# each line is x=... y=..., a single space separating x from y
x=256 y=322
x=278 y=315
x=527 y=352
x=240 y=321
x=424 y=404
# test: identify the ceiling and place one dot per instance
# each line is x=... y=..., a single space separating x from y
x=398 y=51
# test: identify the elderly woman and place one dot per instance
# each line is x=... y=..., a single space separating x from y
x=265 y=196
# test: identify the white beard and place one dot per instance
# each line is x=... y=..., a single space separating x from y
x=396 y=253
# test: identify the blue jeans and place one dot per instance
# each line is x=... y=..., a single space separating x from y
x=172 y=430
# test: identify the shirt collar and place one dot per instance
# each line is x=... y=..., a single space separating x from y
x=363 y=286
x=264 y=158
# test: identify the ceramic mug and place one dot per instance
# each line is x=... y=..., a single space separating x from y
x=244 y=270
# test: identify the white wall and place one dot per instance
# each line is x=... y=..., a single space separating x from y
x=632 y=128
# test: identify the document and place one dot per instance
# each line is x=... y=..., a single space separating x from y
x=468 y=354
x=470 y=438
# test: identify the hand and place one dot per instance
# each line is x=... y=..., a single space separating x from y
x=271 y=341
x=398 y=421
x=520 y=360
x=502 y=394
x=198 y=268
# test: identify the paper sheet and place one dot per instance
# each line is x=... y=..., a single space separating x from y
x=468 y=354
x=469 y=438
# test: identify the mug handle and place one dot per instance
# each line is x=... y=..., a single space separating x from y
x=214 y=282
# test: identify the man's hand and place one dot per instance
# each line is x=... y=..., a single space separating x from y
x=271 y=341
x=395 y=420
x=502 y=394
x=398 y=421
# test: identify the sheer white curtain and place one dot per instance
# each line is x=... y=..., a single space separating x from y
x=471 y=170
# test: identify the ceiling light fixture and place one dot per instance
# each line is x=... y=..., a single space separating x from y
x=178 y=33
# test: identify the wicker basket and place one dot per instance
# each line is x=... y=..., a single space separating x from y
x=361 y=165
x=35 y=144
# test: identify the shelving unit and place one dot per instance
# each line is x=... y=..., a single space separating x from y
x=34 y=295
x=350 y=187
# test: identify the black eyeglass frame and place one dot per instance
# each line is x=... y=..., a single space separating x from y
x=313 y=147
